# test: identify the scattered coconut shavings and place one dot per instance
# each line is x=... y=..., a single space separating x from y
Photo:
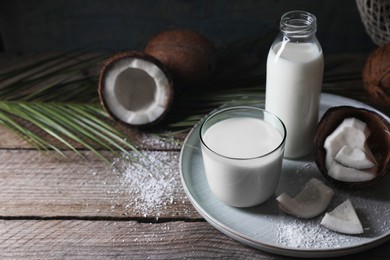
x=162 y=142
x=150 y=184
x=297 y=233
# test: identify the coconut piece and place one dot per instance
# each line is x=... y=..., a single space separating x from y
x=349 y=136
x=313 y=199
x=343 y=219
x=135 y=89
x=187 y=54
x=347 y=174
x=354 y=158
x=351 y=132
x=378 y=141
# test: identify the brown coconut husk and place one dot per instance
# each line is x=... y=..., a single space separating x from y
x=376 y=77
x=187 y=54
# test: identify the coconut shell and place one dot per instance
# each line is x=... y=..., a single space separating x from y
x=107 y=66
x=378 y=141
x=376 y=77
x=188 y=55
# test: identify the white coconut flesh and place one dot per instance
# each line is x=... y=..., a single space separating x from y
x=311 y=201
x=354 y=158
x=348 y=157
x=348 y=174
x=136 y=91
x=343 y=219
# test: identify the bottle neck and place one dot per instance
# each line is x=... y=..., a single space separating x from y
x=298 y=25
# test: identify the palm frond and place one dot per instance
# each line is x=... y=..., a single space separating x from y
x=72 y=125
x=29 y=136
x=59 y=78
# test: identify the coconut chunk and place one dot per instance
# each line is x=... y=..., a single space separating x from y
x=343 y=219
x=313 y=199
x=354 y=158
x=351 y=132
x=346 y=148
x=347 y=174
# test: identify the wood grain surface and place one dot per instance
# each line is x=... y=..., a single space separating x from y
x=86 y=239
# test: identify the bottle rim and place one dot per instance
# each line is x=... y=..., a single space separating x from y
x=298 y=23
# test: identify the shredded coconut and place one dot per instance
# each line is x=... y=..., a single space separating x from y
x=150 y=183
x=299 y=233
x=149 y=141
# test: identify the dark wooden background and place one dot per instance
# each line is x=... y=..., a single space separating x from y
x=46 y=25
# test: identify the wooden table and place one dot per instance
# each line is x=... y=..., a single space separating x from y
x=85 y=209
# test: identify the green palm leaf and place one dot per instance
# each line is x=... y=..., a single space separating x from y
x=70 y=124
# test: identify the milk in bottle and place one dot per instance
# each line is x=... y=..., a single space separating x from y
x=294 y=79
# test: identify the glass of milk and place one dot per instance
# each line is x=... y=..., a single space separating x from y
x=242 y=149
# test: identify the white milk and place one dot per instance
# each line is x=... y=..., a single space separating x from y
x=294 y=79
x=249 y=179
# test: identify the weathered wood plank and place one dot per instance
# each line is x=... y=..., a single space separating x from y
x=78 y=239
x=35 y=184
x=120 y=240
x=142 y=140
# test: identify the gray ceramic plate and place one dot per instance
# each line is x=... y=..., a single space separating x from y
x=267 y=228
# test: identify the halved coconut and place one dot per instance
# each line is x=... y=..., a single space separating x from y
x=311 y=201
x=343 y=219
x=378 y=141
x=135 y=88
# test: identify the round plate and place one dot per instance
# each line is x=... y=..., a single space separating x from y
x=268 y=228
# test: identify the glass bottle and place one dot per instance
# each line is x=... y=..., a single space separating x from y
x=295 y=68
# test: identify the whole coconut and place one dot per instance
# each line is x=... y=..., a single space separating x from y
x=189 y=56
x=376 y=76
